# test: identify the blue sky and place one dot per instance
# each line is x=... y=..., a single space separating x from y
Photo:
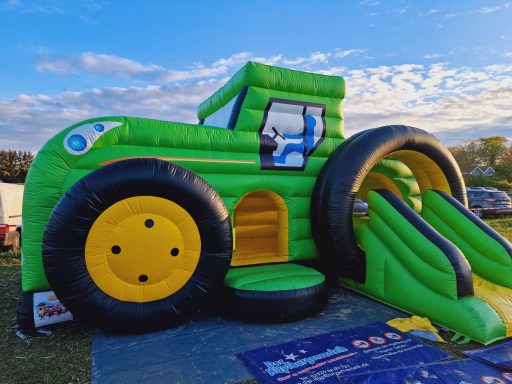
x=442 y=66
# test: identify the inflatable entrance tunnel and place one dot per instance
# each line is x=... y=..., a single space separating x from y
x=135 y=224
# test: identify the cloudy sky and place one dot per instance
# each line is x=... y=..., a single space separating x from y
x=442 y=66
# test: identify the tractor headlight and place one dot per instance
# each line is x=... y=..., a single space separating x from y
x=82 y=138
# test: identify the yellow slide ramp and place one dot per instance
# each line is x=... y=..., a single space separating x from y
x=498 y=297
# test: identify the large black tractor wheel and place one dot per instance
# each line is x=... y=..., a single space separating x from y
x=137 y=245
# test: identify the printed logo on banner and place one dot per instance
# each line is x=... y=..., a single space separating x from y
x=361 y=344
x=290 y=132
x=377 y=340
x=393 y=336
x=49 y=310
x=492 y=380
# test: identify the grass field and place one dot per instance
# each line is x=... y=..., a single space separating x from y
x=502 y=225
x=65 y=356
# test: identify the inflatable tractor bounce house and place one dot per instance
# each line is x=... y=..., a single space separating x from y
x=135 y=224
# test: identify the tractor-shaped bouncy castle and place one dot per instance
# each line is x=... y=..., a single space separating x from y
x=136 y=223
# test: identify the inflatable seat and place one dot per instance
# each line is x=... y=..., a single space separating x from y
x=274 y=292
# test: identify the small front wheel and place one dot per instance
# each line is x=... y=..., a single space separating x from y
x=137 y=245
x=477 y=211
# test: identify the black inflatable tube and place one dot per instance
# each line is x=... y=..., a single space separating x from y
x=274 y=306
x=343 y=174
x=25 y=312
x=318 y=230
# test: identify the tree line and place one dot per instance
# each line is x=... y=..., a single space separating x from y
x=14 y=165
x=493 y=151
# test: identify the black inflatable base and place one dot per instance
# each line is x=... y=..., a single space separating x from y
x=274 y=306
x=246 y=294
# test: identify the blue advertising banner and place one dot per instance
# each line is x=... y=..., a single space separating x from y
x=320 y=359
x=450 y=372
x=499 y=355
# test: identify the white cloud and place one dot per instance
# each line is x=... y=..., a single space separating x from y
x=370 y=3
x=272 y=60
x=307 y=61
x=433 y=56
x=58 y=7
x=508 y=54
x=430 y=12
x=487 y=10
x=233 y=60
x=34 y=6
x=400 y=11
x=341 y=54
x=101 y=64
x=27 y=122
x=453 y=102
x=120 y=67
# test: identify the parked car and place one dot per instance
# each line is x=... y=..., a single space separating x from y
x=488 y=201
x=11 y=198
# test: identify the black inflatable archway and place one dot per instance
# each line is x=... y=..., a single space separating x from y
x=344 y=172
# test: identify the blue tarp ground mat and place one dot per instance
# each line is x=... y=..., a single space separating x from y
x=204 y=350
x=499 y=355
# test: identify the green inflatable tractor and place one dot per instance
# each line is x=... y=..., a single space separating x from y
x=135 y=224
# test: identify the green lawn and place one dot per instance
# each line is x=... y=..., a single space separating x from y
x=502 y=225
x=65 y=356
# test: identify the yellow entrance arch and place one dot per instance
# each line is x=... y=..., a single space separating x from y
x=260 y=228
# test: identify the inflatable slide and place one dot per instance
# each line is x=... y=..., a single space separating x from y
x=135 y=224
x=427 y=262
x=429 y=256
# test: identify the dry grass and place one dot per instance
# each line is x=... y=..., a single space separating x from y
x=63 y=357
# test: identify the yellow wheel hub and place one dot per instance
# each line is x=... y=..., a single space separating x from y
x=143 y=248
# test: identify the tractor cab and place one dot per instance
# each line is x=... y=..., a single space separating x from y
x=290 y=124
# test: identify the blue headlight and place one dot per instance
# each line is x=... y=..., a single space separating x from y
x=77 y=143
x=99 y=127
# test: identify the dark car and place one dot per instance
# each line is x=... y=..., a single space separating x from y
x=488 y=201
